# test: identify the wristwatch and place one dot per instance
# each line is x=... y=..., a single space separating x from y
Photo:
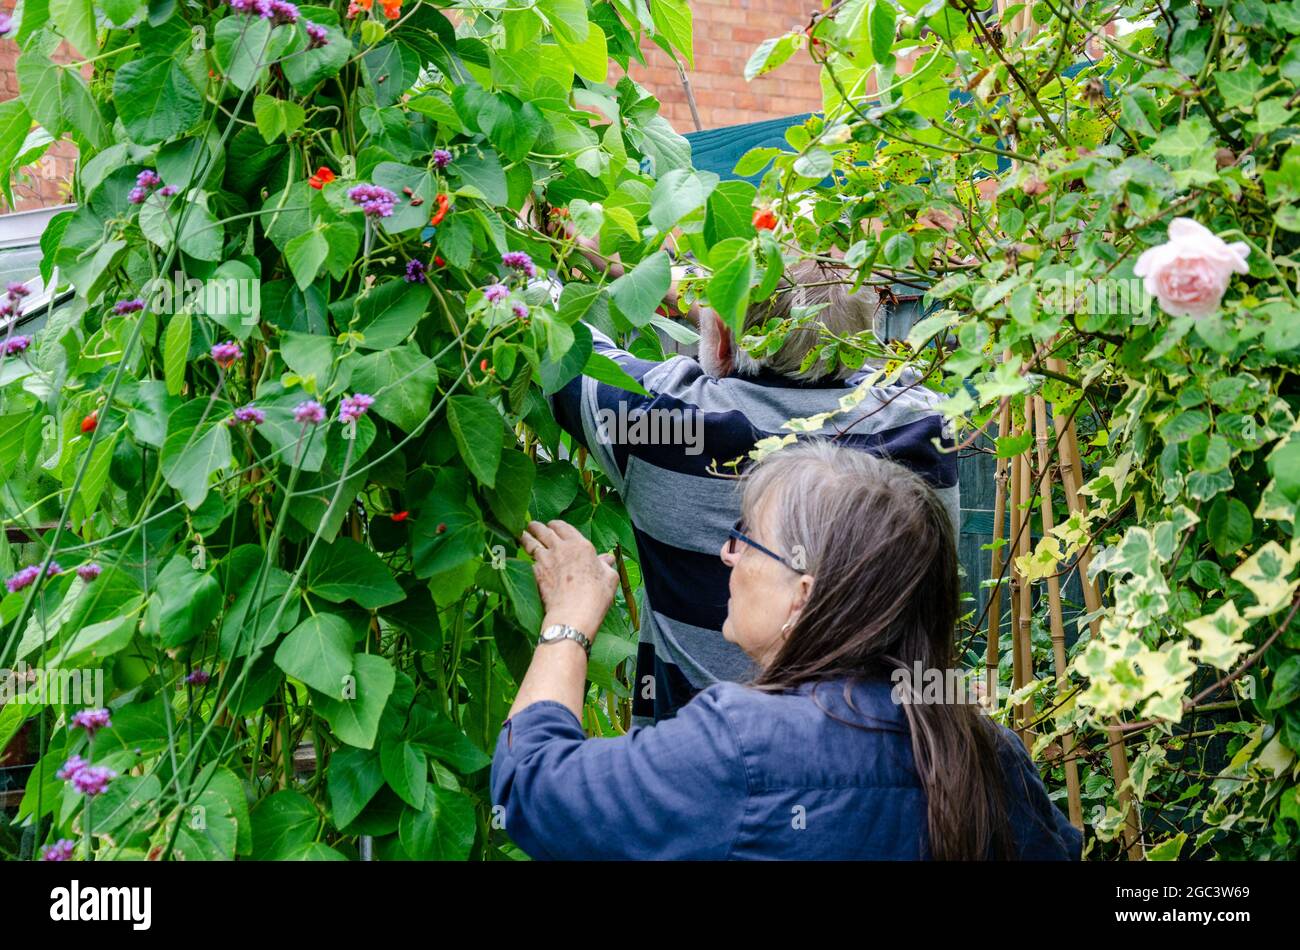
x=562 y=631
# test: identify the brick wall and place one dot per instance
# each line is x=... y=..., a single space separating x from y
x=46 y=183
x=726 y=33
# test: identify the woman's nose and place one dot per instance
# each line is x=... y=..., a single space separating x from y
x=728 y=556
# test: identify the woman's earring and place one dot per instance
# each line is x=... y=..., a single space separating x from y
x=785 y=627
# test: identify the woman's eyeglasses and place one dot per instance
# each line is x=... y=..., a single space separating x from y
x=735 y=535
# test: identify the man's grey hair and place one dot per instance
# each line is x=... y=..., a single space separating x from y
x=845 y=314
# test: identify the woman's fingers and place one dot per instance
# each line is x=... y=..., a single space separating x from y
x=542 y=534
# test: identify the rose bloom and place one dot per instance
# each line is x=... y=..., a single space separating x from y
x=1189 y=273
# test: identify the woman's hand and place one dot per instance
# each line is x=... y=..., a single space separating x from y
x=577 y=586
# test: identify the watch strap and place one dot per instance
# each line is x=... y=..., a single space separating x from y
x=562 y=631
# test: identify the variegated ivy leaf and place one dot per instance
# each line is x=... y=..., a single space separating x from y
x=1042 y=561
x=1265 y=573
x=1219 y=634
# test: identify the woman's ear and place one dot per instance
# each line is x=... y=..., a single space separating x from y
x=725 y=350
x=802 y=593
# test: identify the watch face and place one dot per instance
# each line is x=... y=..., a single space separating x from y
x=552 y=633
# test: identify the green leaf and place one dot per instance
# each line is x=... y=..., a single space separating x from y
x=176 y=349
x=406 y=769
x=284 y=823
x=402 y=380
x=590 y=58
x=1285 y=688
x=59 y=99
x=184 y=603
x=76 y=21
x=476 y=425
x=568 y=18
x=305 y=254
x=442 y=831
x=388 y=313
x=355 y=718
x=156 y=99
x=1229 y=524
x=881 y=23
x=353 y=778
x=481 y=176
x=444 y=740
x=244 y=49
x=771 y=53
x=678 y=193
x=755 y=160
x=730 y=212
x=200 y=233
x=672 y=20
x=816 y=163
x=348 y=570
x=319 y=652
x=899 y=250
x=197 y=446
x=641 y=290
x=15 y=121
x=729 y=287
x=509 y=498
x=604 y=369
x=412 y=210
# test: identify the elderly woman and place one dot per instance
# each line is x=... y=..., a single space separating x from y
x=843 y=580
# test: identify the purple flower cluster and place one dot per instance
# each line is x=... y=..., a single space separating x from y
x=53 y=569
x=495 y=293
x=316 y=35
x=61 y=850
x=92 y=720
x=373 y=200
x=128 y=306
x=92 y=780
x=199 y=678
x=145 y=182
x=226 y=353
x=88 y=572
x=309 y=413
x=168 y=190
x=520 y=309
x=277 y=11
x=354 y=407
x=519 y=260
x=6 y=23
x=250 y=415
x=14 y=294
x=441 y=157
x=24 y=578
x=17 y=344
x=415 y=272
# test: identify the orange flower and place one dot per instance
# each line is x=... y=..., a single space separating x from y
x=392 y=8
x=322 y=178
x=400 y=515
x=764 y=219
x=444 y=204
x=438 y=261
x=88 y=424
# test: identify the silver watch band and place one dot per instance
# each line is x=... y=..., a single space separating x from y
x=562 y=631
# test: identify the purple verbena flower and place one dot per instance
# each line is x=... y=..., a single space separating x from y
x=53 y=569
x=496 y=292
x=61 y=850
x=92 y=780
x=17 y=345
x=415 y=272
x=316 y=35
x=354 y=407
x=92 y=720
x=309 y=413
x=148 y=179
x=88 y=572
x=281 y=11
x=373 y=200
x=71 y=768
x=137 y=196
x=250 y=415
x=16 y=290
x=226 y=353
x=128 y=306
x=168 y=190
x=199 y=678
x=520 y=309
x=23 y=578
x=441 y=157
x=519 y=260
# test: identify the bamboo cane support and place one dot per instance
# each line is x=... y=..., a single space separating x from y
x=1024 y=633
x=1054 y=611
x=1017 y=673
x=992 y=644
x=1072 y=479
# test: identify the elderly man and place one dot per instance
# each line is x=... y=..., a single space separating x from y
x=667 y=456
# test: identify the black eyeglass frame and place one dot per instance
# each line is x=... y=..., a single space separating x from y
x=735 y=535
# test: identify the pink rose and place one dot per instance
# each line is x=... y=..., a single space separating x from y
x=1190 y=272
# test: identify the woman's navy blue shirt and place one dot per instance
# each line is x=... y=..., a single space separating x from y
x=744 y=774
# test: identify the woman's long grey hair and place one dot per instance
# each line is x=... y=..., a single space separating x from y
x=879 y=545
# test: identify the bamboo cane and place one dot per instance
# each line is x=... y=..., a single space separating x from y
x=1072 y=479
x=992 y=645
x=1024 y=645
x=1017 y=673
x=1054 y=611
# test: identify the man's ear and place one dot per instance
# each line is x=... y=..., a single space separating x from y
x=726 y=346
